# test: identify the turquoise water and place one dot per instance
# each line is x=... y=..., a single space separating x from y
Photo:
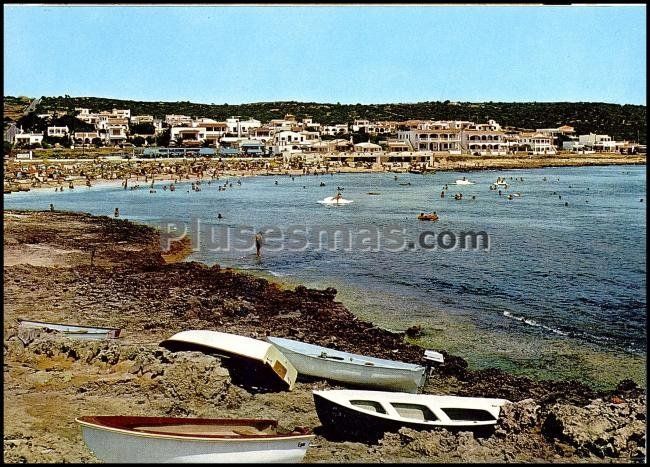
x=575 y=272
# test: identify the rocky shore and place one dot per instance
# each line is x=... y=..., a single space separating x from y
x=76 y=268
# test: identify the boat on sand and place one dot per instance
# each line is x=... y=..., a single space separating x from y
x=360 y=370
x=127 y=439
x=365 y=413
x=255 y=362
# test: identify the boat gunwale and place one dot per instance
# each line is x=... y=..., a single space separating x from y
x=87 y=421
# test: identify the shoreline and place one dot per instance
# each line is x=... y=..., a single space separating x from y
x=49 y=278
x=444 y=164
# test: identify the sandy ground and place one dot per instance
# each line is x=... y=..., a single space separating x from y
x=49 y=380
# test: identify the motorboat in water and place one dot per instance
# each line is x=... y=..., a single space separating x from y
x=362 y=413
x=336 y=200
x=360 y=370
x=131 y=439
x=464 y=181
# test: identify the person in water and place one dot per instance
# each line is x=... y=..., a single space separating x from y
x=258 y=243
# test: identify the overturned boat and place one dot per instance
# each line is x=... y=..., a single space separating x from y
x=126 y=439
x=363 y=413
x=322 y=362
x=70 y=330
x=252 y=362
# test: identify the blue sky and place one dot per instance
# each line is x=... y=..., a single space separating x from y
x=354 y=54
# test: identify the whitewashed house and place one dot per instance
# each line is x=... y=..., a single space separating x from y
x=58 y=131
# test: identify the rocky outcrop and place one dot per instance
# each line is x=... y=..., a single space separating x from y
x=609 y=427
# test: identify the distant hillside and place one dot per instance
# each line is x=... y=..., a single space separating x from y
x=619 y=121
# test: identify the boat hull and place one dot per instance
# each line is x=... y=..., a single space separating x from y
x=119 y=447
x=375 y=376
x=353 y=424
x=72 y=330
x=340 y=418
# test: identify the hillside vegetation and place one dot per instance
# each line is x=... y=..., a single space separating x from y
x=619 y=121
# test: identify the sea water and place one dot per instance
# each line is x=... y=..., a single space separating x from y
x=566 y=262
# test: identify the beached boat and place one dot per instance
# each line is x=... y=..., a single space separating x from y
x=126 y=439
x=72 y=330
x=363 y=413
x=428 y=217
x=464 y=182
x=260 y=360
x=322 y=362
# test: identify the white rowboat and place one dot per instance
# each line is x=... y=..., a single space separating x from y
x=364 y=412
x=259 y=352
x=322 y=362
x=125 y=439
x=72 y=330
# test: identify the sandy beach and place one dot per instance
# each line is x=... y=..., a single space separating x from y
x=50 y=174
x=49 y=379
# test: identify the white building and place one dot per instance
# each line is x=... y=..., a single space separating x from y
x=440 y=140
x=57 y=131
x=484 y=142
x=241 y=127
x=288 y=141
x=537 y=143
x=334 y=130
x=122 y=113
x=178 y=120
x=28 y=138
x=85 y=137
x=139 y=119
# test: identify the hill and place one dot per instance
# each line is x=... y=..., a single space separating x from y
x=619 y=121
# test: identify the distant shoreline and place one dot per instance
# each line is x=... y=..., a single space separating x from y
x=124 y=168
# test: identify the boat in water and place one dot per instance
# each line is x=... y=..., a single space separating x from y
x=367 y=413
x=428 y=217
x=254 y=362
x=130 y=439
x=360 y=370
x=464 y=181
x=336 y=200
x=70 y=330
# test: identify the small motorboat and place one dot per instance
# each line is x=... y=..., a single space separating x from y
x=71 y=330
x=255 y=362
x=428 y=217
x=464 y=181
x=367 y=413
x=333 y=200
x=322 y=362
x=374 y=193
x=126 y=439
x=336 y=200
